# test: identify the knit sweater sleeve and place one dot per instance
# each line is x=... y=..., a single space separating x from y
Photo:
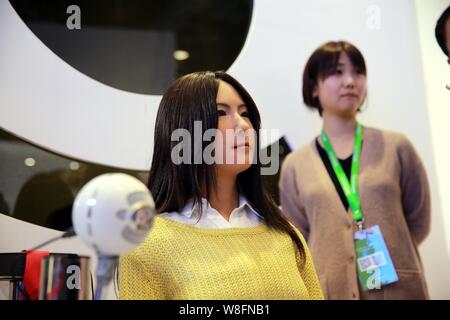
x=415 y=191
x=308 y=272
x=135 y=283
x=289 y=197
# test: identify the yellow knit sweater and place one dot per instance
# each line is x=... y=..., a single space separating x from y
x=179 y=261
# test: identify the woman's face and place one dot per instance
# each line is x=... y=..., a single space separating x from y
x=236 y=140
x=342 y=92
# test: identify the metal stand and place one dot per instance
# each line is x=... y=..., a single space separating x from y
x=104 y=273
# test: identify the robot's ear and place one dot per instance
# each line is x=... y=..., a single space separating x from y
x=122 y=214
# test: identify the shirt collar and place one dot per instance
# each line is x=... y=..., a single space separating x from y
x=190 y=208
x=243 y=203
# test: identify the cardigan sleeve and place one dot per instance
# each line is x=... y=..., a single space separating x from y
x=135 y=283
x=308 y=272
x=289 y=198
x=415 y=191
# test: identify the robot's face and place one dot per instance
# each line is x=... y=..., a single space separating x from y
x=138 y=216
x=142 y=218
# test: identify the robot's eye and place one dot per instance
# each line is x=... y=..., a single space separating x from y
x=142 y=217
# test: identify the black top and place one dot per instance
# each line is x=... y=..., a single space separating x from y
x=346 y=165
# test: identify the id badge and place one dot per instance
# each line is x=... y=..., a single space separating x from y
x=374 y=264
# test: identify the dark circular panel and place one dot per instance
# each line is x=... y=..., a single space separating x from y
x=130 y=44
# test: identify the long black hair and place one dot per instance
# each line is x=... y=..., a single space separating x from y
x=193 y=98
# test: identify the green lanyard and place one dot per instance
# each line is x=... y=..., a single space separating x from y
x=350 y=188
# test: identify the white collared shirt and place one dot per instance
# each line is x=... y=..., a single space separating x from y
x=243 y=216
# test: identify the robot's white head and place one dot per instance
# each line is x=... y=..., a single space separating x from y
x=113 y=213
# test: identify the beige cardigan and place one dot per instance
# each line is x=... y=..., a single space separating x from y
x=394 y=194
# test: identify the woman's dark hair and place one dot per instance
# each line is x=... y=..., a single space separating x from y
x=324 y=62
x=439 y=31
x=193 y=98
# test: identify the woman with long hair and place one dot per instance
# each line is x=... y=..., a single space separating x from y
x=218 y=234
